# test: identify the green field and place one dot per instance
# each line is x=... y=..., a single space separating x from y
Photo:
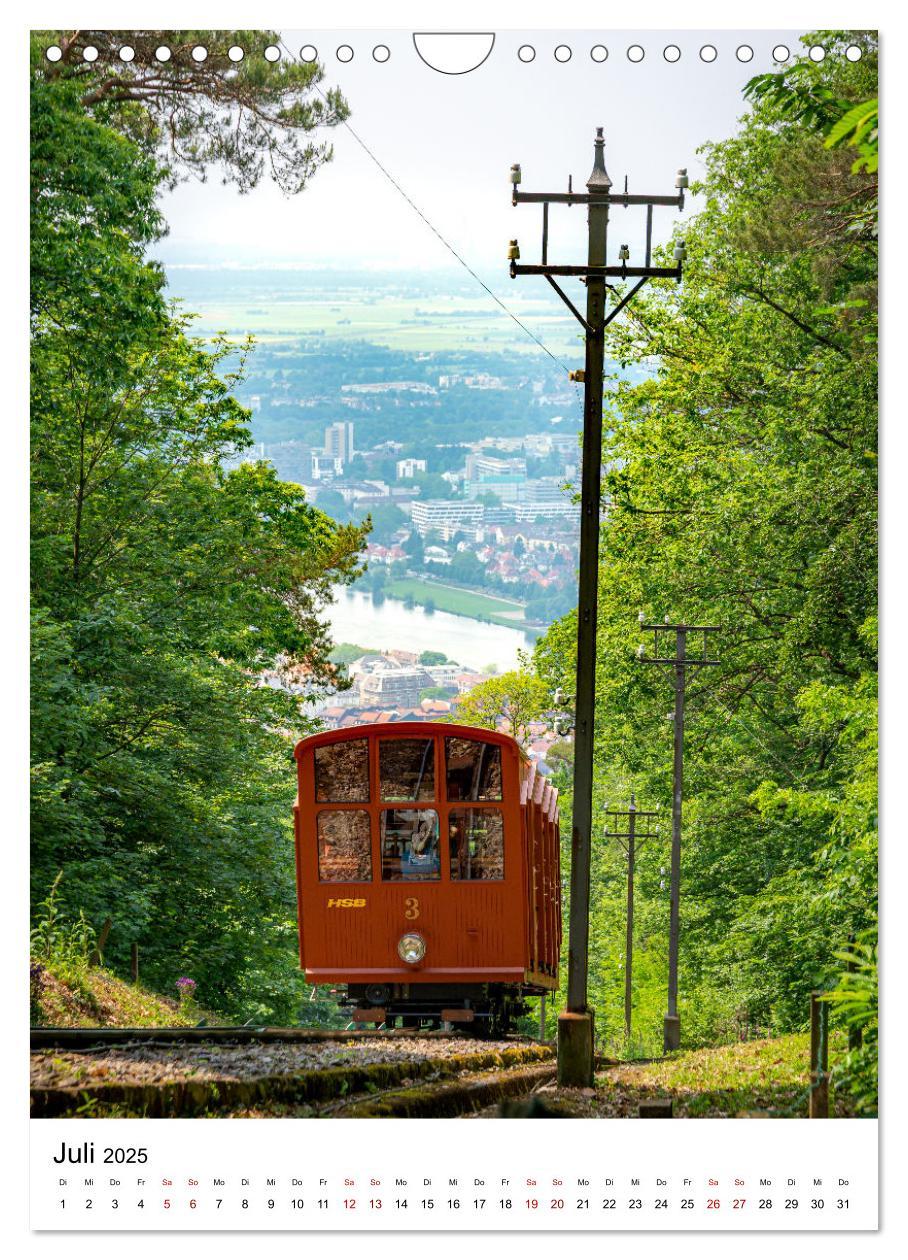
x=420 y=323
x=453 y=599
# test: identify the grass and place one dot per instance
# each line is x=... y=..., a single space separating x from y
x=752 y=1078
x=95 y=998
x=453 y=599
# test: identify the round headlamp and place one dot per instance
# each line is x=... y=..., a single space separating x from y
x=412 y=948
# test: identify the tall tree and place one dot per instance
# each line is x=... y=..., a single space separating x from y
x=162 y=582
x=741 y=491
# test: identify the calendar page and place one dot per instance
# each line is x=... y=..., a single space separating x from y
x=454 y=628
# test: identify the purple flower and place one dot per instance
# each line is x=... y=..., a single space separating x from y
x=186 y=986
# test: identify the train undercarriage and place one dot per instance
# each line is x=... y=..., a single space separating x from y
x=483 y=1010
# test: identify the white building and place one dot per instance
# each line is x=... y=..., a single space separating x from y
x=445 y=515
x=409 y=467
x=390 y=684
x=326 y=467
x=339 y=441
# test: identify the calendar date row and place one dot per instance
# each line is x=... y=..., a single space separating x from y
x=551 y=1204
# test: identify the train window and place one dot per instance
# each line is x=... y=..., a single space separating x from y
x=344 y=846
x=406 y=769
x=476 y=841
x=342 y=771
x=409 y=844
x=473 y=770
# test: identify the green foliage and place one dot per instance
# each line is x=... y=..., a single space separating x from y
x=247 y=118
x=347 y=653
x=741 y=492
x=432 y=658
x=855 y=1000
x=798 y=93
x=859 y=128
x=513 y=699
x=56 y=940
x=161 y=583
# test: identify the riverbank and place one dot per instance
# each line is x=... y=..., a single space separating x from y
x=457 y=600
x=356 y=618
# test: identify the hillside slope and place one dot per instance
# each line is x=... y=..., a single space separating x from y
x=96 y=998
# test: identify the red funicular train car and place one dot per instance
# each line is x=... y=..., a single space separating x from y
x=428 y=882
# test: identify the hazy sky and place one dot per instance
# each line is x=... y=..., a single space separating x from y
x=450 y=141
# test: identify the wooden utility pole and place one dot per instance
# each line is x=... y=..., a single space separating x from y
x=575 y=1024
x=629 y=841
x=679 y=664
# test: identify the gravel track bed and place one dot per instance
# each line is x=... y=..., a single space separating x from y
x=153 y=1065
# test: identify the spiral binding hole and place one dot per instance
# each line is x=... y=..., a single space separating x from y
x=526 y=53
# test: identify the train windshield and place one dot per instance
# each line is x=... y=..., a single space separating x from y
x=473 y=770
x=406 y=769
x=476 y=841
x=409 y=845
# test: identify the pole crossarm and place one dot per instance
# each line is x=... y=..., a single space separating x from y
x=588 y=269
x=599 y=199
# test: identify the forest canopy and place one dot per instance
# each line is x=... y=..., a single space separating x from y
x=162 y=582
x=740 y=491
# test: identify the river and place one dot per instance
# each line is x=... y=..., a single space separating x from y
x=473 y=644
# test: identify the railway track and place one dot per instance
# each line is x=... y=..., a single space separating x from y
x=91 y=1038
x=266 y=1072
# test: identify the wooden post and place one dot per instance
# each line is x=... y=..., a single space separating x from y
x=855 y=1035
x=94 y=958
x=134 y=962
x=818 y=1106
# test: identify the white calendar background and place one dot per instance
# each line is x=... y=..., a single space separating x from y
x=442 y=1175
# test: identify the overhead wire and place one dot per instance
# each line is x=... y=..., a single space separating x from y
x=444 y=241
